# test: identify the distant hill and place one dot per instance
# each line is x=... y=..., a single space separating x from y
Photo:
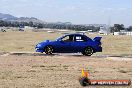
x=7 y=20
x=63 y=23
x=8 y=17
x=28 y=19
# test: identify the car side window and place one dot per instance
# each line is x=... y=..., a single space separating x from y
x=80 y=39
x=68 y=38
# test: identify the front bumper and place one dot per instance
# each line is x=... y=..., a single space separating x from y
x=39 y=50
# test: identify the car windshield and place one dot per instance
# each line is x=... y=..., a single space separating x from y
x=58 y=39
x=66 y=38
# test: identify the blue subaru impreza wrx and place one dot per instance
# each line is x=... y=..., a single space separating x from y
x=71 y=43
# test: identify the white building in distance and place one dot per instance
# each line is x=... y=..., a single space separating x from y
x=104 y=30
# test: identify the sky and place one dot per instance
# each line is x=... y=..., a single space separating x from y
x=75 y=11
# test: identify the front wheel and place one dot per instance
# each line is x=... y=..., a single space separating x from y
x=88 y=51
x=48 y=50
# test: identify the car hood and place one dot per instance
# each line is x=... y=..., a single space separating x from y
x=46 y=41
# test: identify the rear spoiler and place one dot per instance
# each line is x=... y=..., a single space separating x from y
x=98 y=39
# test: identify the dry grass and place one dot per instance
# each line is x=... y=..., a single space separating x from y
x=22 y=41
x=25 y=42
x=58 y=71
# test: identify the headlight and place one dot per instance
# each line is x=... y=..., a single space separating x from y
x=38 y=45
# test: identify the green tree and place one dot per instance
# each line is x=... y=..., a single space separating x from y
x=118 y=27
x=129 y=28
x=31 y=24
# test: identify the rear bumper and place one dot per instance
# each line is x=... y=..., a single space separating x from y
x=98 y=49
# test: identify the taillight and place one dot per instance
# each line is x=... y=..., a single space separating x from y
x=100 y=44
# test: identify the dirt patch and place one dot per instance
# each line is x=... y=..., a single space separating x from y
x=109 y=57
x=35 y=70
x=119 y=58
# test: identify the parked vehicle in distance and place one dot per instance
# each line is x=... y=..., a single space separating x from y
x=71 y=43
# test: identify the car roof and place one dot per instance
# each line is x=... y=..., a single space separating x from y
x=74 y=34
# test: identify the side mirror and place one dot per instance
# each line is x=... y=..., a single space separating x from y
x=60 y=40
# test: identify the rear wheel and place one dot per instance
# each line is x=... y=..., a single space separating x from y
x=48 y=50
x=88 y=51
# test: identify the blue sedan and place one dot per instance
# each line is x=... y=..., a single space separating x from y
x=71 y=43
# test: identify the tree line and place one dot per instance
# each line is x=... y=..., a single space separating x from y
x=120 y=27
x=115 y=28
x=48 y=25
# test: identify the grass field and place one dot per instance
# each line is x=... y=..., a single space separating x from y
x=25 y=42
x=34 y=70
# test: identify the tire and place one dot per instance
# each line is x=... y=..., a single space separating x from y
x=88 y=51
x=48 y=50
